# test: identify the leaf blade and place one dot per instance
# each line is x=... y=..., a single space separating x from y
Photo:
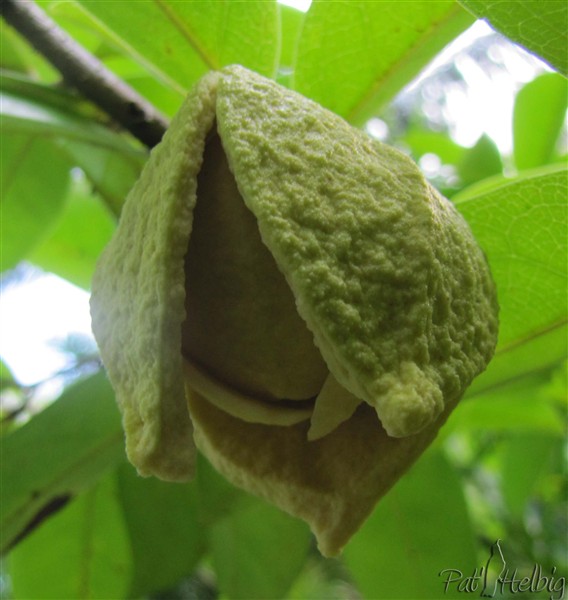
x=354 y=56
x=84 y=434
x=81 y=552
x=539 y=112
x=391 y=556
x=191 y=38
x=258 y=551
x=538 y=26
x=33 y=193
x=521 y=227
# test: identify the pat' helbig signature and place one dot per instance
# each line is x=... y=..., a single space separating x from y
x=495 y=579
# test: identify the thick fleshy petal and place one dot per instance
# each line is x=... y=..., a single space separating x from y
x=332 y=483
x=137 y=304
x=385 y=272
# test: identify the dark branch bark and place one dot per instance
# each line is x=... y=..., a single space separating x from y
x=84 y=72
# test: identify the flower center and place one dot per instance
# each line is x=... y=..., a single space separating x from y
x=242 y=336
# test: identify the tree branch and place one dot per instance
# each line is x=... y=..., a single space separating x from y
x=84 y=72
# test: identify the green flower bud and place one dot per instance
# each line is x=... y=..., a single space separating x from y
x=294 y=298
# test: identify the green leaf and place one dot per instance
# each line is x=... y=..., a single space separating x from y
x=112 y=173
x=258 y=551
x=290 y=24
x=190 y=38
x=354 y=56
x=39 y=111
x=165 y=533
x=36 y=117
x=538 y=26
x=217 y=497
x=527 y=459
x=481 y=161
x=325 y=579
x=524 y=404
x=82 y=552
x=522 y=228
x=420 y=528
x=59 y=452
x=90 y=33
x=35 y=177
x=540 y=110
x=83 y=231
x=423 y=142
x=16 y=55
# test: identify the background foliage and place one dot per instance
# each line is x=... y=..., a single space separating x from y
x=76 y=521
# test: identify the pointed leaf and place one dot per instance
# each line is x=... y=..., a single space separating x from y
x=354 y=56
x=538 y=26
x=481 y=161
x=540 y=110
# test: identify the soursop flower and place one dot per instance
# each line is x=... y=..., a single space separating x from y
x=292 y=298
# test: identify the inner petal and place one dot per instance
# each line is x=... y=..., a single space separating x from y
x=241 y=324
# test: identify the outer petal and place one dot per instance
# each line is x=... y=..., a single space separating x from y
x=385 y=272
x=332 y=483
x=137 y=304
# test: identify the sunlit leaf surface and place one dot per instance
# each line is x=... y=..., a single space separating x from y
x=190 y=38
x=539 y=26
x=540 y=111
x=354 y=56
x=522 y=227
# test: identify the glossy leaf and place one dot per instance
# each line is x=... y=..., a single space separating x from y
x=522 y=228
x=354 y=56
x=538 y=26
x=420 y=528
x=258 y=551
x=82 y=552
x=34 y=182
x=163 y=525
x=83 y=231
x=58 y=453
x=190 y=38
x=540 y=111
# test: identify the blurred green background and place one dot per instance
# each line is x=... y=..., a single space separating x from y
x=485 y=120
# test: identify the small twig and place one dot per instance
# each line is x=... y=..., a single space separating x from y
x=84 y=72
